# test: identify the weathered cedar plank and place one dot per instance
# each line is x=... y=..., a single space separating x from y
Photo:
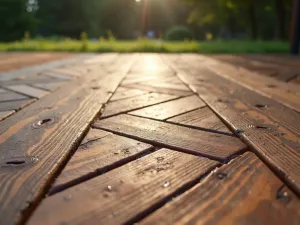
x=127 y=93
x=10 y=96
x=168 y=91
x=124 y=193
x=29 y=91
x=201 y=118
x=40 y=152
x=15 y=105
x=95 y=157
x=284 y=93
x=269 y=127
x=172 y=108
x=194 y=141
x=242 y=192
x=166 y=85
x=126 y=105
x=93 y=135
x=4 y=114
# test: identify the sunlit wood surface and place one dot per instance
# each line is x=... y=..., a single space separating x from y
x=150 y=139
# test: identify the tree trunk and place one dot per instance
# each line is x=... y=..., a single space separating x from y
x=281 y=19
x=252 y=14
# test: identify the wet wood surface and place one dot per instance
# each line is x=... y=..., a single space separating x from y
x=242 y=192
x=151 y=139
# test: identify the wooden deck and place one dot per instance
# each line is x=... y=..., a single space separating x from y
x=150 y=139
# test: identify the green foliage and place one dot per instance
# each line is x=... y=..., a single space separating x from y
x=144 y=45
x=179 y=33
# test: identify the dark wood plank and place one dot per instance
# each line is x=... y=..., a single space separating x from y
x=123 y=194
x=242 y=192
x=126 y=105
x=194 y=141
x=201 y=118
x=123 y=93
x=29 y=91
x=97 y=156
x=10 y=96
x=172 y=108
x=269 y=127
x=15 y=105
x=43 y=136
x=168 y=91
x=5 y=114
x=285 y=93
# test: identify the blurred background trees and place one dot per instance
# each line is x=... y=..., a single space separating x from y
x=128 y=19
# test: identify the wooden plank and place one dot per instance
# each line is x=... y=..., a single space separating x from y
x=59 y=76
x=10 y=96
x=138 y=102
x=123 y=194
x=48 y=86
x=123 y=93
x=269 y=127
x=284 y=93
x=193 y=141
x=242 y=192
x=172 y=108
x=15 y=105
x=168 y=91
x=201 y=118
x=27 y=90
x=97 y=156
x=5 y=114
x=43 y=136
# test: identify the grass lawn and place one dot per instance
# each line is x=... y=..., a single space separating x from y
x=216 y=46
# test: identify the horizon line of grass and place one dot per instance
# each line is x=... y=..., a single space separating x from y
x=145 y=45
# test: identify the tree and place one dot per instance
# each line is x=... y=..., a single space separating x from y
x=15 y=19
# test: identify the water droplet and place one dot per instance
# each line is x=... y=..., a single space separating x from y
x=109 y=188
x=166 y=184
x=221 y=176
x=159 y=159
x=261 y=106
x=251 y=126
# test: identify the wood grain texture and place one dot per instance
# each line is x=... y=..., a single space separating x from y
x=48 y=86
x=10 y=96
x=168 y=91
x=126 y=105
x=270 y=128
x=194 y=141
x=123 y=93
x=29 y=91
x=242 y=192
x=41 y=137
x=285 y=93
x=97 y=156
x=123 y=194
x=169 y=109
x=5 y=114
x=15 y=105
x=201 y=118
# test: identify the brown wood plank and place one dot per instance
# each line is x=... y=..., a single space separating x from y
x=5 y=114
x=269 y=127
x=201 y=118
x=94 y=157
x=194 y=141
x=10 y=96
x=29 y=91
x=242 y=192
x=15 y=105
x=42 y=137
x=168 y=91
x=123 y=93
x=123 y=194
x=172 y=108
x=284 y=93
x=126 y=105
